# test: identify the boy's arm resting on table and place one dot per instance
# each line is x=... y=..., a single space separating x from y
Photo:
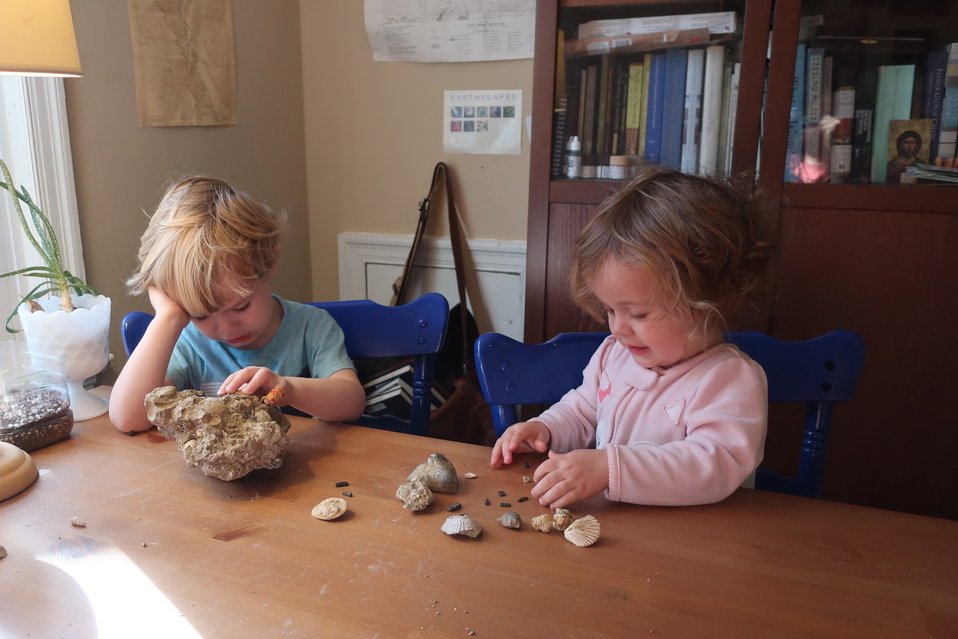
x=337 y=398
x=144 y=371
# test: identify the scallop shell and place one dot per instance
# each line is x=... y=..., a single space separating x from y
x=561 y=519
x=542 y=523
x=437 y=473
x=415 y=495
x=583 y=531
x=329 y=509
x=461 y=524
x=511 y=520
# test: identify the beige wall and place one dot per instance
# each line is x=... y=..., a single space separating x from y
x=374 y=132
x=122 y=169
x=340 y=142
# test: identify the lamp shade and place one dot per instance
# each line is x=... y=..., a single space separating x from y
x=36 y=38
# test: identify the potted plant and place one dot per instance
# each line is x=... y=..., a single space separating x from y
x=61 y=316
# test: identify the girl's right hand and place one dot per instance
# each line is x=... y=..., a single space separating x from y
x=522 y=437
x=165 y=307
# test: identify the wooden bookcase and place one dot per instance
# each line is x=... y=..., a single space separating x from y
x=877 y=259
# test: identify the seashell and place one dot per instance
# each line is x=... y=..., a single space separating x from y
x=561 y=519
x=542 y=523
x=470 y=475
x=583 y=531
x=414 y=495
x=76 y=522
x=437 y=473
x=511 y=520
x=329 y=509
x=461 y=524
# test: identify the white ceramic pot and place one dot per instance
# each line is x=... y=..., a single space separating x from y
x=80 y=338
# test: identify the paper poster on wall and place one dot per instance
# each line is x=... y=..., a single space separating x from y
x=450 y=31
x=482 y=122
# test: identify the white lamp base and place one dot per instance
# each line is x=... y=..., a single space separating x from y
x=85 y=404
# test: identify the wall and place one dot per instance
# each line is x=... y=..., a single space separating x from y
x=374 y=132
x=122 y=169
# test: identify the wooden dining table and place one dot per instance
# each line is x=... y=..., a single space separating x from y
x=119 y=538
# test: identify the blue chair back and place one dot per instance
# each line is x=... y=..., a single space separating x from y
x=512 y=373
x=817 y=373
x=415 y=330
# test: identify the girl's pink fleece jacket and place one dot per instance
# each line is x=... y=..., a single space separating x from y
x=688 y=434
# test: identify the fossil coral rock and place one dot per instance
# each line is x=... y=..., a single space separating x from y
x=437 y=473
x=225 y=437
x=415 y=495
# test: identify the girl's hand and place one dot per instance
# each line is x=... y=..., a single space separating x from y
x=522 y=437
x=166 y=308
x=570 y=477
x=258 y=380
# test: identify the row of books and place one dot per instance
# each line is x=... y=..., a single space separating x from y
x=390 y=393
x=633 y=94
x=867 y=124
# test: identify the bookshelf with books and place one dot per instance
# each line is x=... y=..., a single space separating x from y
x=851 y=252
x=863 y=238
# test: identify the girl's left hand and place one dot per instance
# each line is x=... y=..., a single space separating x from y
x=566 y=478
x=256 y=380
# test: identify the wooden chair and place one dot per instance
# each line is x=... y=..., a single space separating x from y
x=415 y=330
x=817 y=372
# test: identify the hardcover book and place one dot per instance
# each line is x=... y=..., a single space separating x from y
x=866 y=85
x=653 y=123
x=796 y=120
x=712 y=101
x=692 y=114
x=936 y=64
x=633 y=108
x=673 y=107
x=893 y=102
x=948 y=129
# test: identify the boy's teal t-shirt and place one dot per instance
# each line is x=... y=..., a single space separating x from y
x=308 y=343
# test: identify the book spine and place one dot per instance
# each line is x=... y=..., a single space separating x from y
x=936 y=64
x=948 y=129
x=732 y=111
x=644 y=101
x=633 y=109
x=796 y=119
x=558 y=137
x=866 y=85
x=602 y=108
x=723 y=140
x=588 y=123
x=814 y=61
x=712 y=94
x=843 y=107
x=620 y=96
x=892 y=102
x=716 y=22
x=692 y=114
x=653 y=124
x=673 y=106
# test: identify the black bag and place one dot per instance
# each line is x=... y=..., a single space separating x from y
x=464 y=416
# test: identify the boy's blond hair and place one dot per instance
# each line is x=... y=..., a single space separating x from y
x=207 y=243
x=698 y=236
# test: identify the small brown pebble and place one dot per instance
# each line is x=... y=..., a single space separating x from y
x=342 y=484
x=522 y=499
x=525 y=465
x=347 y=493
x=3 y=552
x=454 y=507
x=501 y=493
x=505 y=504
x=486 y=501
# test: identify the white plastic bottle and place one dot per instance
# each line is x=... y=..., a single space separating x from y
x=573 y=158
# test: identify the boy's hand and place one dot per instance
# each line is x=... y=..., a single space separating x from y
x=165 y=308
x=570 y=477
x=522 y=437
x=258 y=380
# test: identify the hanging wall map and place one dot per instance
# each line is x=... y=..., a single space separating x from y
x=184 y=62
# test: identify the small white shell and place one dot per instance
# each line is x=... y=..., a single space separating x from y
x=469 y=475
x=583 y=531
x=461 y=524
x=561 y=519
x=329 y=509
x=76 y=522
x=543 y=522
x=511 y=520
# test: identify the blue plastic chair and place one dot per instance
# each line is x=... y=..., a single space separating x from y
x=371 y=330
x=817 y=372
